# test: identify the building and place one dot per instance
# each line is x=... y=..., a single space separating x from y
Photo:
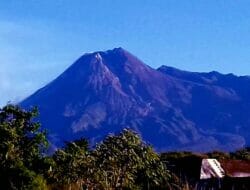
x=224 y=174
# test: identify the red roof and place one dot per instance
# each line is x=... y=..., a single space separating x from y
x=236 y=168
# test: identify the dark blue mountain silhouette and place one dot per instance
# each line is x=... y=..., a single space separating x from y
x=103 y=92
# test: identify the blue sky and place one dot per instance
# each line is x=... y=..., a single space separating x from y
x=41 y=38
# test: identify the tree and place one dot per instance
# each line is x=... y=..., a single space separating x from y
x=241 y=154
x=218 y=155
x=73 y=164
x=22 y=144
x=124 y=161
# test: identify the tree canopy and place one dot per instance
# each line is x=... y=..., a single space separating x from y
x=123 y=160
x=22 y=143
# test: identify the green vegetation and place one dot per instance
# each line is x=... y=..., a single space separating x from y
x=121 y=161
x=242 y=154
x=21 y=149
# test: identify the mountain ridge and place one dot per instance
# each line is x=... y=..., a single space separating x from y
x=103 y=92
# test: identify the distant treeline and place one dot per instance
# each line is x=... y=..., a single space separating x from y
x=121 y=161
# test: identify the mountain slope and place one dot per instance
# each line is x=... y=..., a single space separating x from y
x=103 y=92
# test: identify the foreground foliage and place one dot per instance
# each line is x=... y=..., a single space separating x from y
x=21 y=147
x=119 y=162
x=124 y=161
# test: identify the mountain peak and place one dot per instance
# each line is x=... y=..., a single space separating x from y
x=119 y=49
x=114 y=59
x=118 y=52
x=114 y=50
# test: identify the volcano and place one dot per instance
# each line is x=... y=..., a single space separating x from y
x=104 y=92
